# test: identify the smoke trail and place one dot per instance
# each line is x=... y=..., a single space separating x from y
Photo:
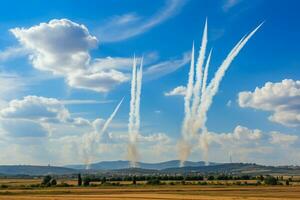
x=195 y=118
x=199 y=72
x=132 y=99
x=138 y=95
x=134 y=114
x=91 y=139
x=205 y=74
x=184 y=149
x=213 y=87
x=108 y=121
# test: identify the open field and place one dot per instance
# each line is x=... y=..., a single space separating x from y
x=164 y=192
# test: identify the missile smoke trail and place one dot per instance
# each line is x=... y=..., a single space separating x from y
x=108 y=121
x=134 y=113
x=93 y=138
x=213 y=87
x=195 y=118
x=199 y=72
x=188 y=96
x=205 y=74
x=184 y=148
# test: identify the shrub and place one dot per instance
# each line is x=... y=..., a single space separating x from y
x=202 y=183
x=53 y=182
x=86 y=181
x=3 y=186
x=270 y=180
x=46 y=181
x=63 y=185
x=153 y=182
x=287 y=182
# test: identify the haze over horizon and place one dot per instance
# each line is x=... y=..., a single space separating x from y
x=66 y=67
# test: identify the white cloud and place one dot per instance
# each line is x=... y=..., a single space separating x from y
x=12 y=52
x=178 y=91
x=283 y=139
x=23 y=128
x=34 y=107
x=282 y=98
x=254 y=145
x=166 y=67
x=84 y=101
x=62 y=47
x=59 y=46
x=228 y=4
x=129 y=25
x=33 y=115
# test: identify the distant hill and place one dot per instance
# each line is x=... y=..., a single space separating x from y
x=121 y=164
x=34 y=170
x=236 y=168
x=122 y=168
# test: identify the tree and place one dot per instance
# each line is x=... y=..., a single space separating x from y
x=79 y=180
x=270 y=180
x=86 y=181
x=103 y=180
x=134 y=180
x=287 y=182
x=53 y=182
x=211 y=178
x=46 y=180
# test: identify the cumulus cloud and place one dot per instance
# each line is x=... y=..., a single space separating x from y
x=253 y=145
x=282 y=99
x=63 y=47
x=37 y=116
x=178 y=91
x=34 y=107
x=283 y=139
x=128 y=25
x=12 y=52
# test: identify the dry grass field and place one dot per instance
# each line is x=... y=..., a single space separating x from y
x=163 y=192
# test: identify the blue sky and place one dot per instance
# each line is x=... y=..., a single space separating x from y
x=65 y=65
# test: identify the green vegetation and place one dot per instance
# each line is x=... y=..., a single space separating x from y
x=270 y=180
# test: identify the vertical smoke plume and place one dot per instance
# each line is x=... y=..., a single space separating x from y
x=196 y=115
x=92 y=139
x=134 y=113
x=199 y=73
x=184 y=148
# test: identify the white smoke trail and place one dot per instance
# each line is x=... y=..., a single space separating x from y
x=199 y=73
x=184 y=149
x=195 y=118
x=132 y=99
x=138 y=95
x=92 y=139
x=134 y=114
x=188 y=95
x=205 y=74
x=213 y=87
x=108 y=121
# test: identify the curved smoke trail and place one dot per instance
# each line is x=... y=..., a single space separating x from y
x=195 y=118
